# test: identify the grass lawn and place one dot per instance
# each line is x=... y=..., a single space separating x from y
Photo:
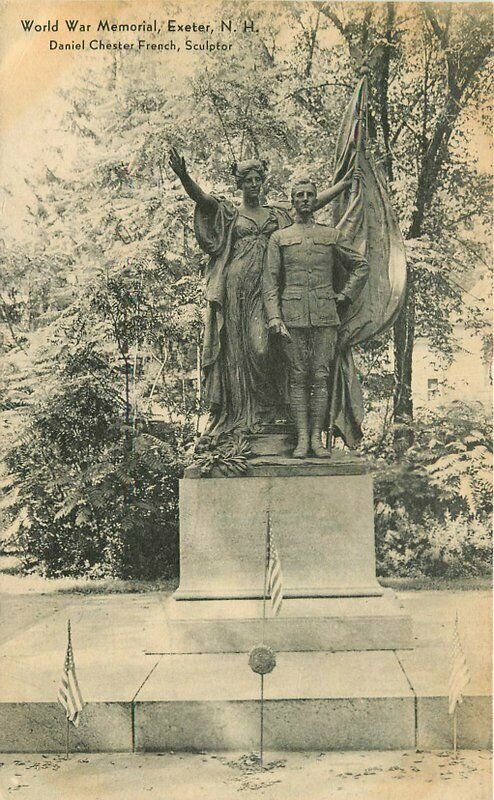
x=462 y=584
x=117 y=586
x=13 y=581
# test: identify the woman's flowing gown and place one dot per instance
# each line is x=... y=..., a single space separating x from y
x=245 y=378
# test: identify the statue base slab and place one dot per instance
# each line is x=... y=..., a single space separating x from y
x=305 y=624
x=322 y=523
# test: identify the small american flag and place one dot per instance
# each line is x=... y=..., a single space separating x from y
x=275 y=577
x=460 y=676
x=69 y=694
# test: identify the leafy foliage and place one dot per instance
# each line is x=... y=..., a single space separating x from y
x=93 y=483
x=434 y=504
x=451 y=548
x=90 y=495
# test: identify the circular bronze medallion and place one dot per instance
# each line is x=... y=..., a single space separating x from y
x=262 y=659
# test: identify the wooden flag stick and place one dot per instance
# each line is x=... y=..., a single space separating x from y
x=266 y=562
x=264 y=592
x=454 y=731
x=262 y=726
x=67 y=730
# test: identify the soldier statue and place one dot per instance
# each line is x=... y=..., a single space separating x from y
x=303 y=307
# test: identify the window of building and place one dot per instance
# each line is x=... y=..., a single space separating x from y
x=432 y=388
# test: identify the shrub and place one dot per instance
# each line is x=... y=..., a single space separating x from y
x=401 y=544
x=459 y=547
x=91 y=495
x=450 y=548
x=433 y=503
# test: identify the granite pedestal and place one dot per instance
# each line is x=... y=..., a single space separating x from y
x=140 y=697
x=322 y=523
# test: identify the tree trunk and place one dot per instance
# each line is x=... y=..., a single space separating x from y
x=127 y=391
x=312 y=45
x=404 y=331
x=382 y=88
x=404 y=327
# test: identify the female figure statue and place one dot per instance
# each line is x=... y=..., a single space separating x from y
x=243 y=370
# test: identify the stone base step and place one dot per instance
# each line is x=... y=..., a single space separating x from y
x=313 y=701
x=305 y=624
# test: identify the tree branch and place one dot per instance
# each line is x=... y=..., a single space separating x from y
x=369 y=10
x=425 y=106
x=443 y=38
x=312 y=46
x=407 y=111
x=296 y=93
x=267 y=54
x=434 y=23
x=7 y=319
x=327 y=11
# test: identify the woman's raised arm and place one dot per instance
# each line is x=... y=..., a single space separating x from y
x=198 y=195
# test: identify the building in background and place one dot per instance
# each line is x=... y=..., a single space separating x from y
x=469 y=375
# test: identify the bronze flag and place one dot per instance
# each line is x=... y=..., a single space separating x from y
x=364 y=215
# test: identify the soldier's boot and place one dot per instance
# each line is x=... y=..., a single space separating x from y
x=300 y=413
x=318 y=412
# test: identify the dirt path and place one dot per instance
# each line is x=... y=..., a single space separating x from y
x=20 y=612
x=223 y=776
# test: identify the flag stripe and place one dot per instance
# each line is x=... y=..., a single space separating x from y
x=275 y=577
x=71 y=704
x=74 y=687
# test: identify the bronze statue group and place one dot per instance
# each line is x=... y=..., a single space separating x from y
x=287 y=297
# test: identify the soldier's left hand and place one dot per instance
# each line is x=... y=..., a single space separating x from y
x=342 y=301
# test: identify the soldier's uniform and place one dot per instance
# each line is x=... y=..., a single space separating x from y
x=298 y=287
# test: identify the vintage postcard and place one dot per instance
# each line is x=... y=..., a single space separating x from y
x=245 y=399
